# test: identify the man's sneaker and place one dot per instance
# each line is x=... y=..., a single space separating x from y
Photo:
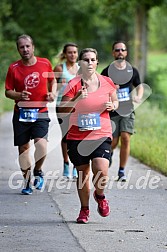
x=121 y=177
x=83 y=216
x=74 y=173
x=39 y=180
x=27 y=190
x=66 y=171
x=103 y=206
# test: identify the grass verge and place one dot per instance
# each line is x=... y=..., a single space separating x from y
x=149 y=143
x=6 y=104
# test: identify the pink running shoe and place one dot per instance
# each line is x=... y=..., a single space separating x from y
x=83 y=216
x=103 y=206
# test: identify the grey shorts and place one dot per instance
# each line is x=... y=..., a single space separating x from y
x=122 y=124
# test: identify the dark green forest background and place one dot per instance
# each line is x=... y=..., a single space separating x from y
x=89 y=23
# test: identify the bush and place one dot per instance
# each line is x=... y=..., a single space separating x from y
x=8 y=55
x=149 y=143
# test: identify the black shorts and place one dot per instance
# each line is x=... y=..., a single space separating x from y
x=82 y=151
x=25 y=131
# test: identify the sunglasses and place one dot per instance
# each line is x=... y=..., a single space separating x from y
x=119 y=49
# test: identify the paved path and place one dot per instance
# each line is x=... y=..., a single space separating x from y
x=45 y=221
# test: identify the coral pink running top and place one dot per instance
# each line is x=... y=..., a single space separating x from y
x=90 y=120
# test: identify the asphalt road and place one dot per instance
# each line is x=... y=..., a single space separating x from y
x=45 y=221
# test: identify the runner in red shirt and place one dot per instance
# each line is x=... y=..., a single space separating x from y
x=30 y=82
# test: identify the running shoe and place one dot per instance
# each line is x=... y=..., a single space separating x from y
x=74 y=173
x=83 y=216
x=66 y=171
x=27 y=190
x=103 y=206
x=39 y=180
x=121 y=177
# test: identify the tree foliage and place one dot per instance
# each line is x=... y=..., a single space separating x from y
x=53 y=23
x=157 y=36
x=90 y=23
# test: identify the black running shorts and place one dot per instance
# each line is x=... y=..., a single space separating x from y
x=25 y=131
x=82 y=151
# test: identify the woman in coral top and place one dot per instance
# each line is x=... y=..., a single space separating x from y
x=88 y=98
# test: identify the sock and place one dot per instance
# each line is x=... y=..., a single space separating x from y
x=27 y=177
x=38 y=173
x=27 y=185
x=100 y=196
x=84 y=208
x=67 y=163
x=121 y=170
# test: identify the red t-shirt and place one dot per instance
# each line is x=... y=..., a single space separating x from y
x=89 y=110
x=33 y=78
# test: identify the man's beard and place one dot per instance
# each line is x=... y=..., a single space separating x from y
x=120 y=58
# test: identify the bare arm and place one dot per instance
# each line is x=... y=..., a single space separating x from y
x=52 y=88
x=140 y=92
x=11 y=94
x=58 y=73
x=113 y=102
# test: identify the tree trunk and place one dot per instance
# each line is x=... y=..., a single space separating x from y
x=140 y=43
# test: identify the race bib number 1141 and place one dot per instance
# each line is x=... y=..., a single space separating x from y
x=89 y=121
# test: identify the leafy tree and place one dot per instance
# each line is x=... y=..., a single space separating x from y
x=133 y=14
x=157 y=37
x=7 y=46
x=53 y=23
x=90 y=23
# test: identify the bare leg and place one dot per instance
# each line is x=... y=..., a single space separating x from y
x=83 y=185
x=25 y=160
x=66 y=170
x=64 y=151
x=100 y=179
x=125 y=148
x=114 y=142
x=100 y=174
x=40 y=152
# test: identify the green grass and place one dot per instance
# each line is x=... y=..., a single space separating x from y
x=6 y=104
x=149 y=142
x=157 y=63
x=156 y=60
